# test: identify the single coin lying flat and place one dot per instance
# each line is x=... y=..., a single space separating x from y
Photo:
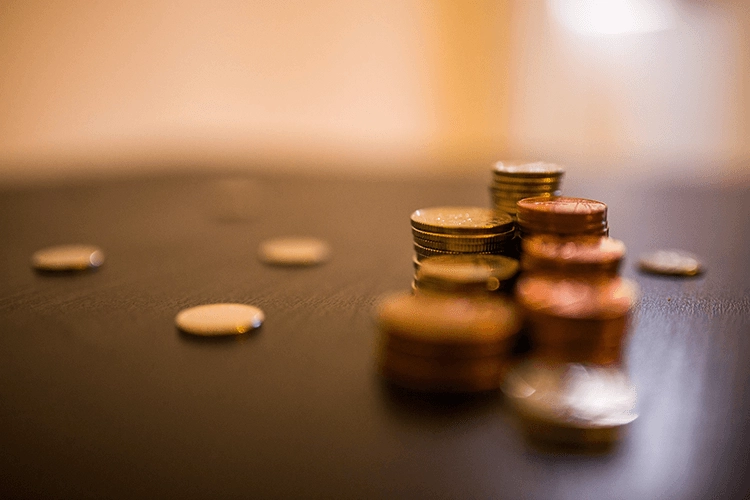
x=670 y=262
x=294 y=251
x=219 y=319
x=67 y=258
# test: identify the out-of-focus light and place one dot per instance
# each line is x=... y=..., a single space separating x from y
x=613 y=17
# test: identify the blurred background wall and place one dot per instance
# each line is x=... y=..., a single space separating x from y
x=372 y=87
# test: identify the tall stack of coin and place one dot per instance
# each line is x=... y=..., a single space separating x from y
x=437 y=342
x=562 y=216
x=462 y=231
x=514 y=182
x=578 y=312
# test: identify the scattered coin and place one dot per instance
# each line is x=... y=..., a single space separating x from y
x=670 y=262
x=300 y=251
x=219 y=319
x=67 y=258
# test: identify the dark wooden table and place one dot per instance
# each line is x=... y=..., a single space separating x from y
x=101 y=397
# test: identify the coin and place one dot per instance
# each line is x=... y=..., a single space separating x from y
x=67 y=258
x=562 y=210
x=447 y=320
x=219 y=319
x=441 y=374
x=571 y=396
x=529 y=169
x=461 y=220
x=294 y=251
x=580 y=255
x=561 y=296
x=466 y=273
x=670 y=262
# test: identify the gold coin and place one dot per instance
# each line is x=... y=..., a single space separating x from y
x=530 y=169
x=67 y=258
x=447 y=320
x=294 y=251
x=461 y=220
x=670 y=262
x=219 y=319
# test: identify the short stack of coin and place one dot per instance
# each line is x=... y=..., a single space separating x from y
x=562 y=216
x=514 y=182
x=444 y=343
x=462 y=230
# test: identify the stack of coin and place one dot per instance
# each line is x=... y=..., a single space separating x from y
x=571 y=405
x=462 y=230
x=562 y=216
x=581 y=256
x=514 y=182
x=445 y=343
x=577 y=320
x=466 y=274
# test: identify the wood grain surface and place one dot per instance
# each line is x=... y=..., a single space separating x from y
x=101 y=397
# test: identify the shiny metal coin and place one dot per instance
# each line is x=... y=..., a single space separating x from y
x=294 y=251
x=571 y=396
x=461 y=220
x=67 y=258
x=529 y=169
x=219 y=319
x=670 y=262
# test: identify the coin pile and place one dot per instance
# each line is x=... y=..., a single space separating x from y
x=514 y=182
x=461 y=230
x=466 y=274
x=578 y=312
x=562 y=216
x=445 y=343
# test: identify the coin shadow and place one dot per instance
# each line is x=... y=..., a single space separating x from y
x=218 y=340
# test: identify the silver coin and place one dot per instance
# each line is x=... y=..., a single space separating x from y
x=294 y=251
x=219 y=319
x=572 y=395
x=670 y=262
x=67 y=258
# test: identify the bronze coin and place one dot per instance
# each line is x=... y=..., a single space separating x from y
x=584 y=254
x=559 y=295
x=67 y=258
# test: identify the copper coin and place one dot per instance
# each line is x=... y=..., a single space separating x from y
x=562 y=296
x=562 y=210
x=670 y=262
x=579 y=255
x=67 y=258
